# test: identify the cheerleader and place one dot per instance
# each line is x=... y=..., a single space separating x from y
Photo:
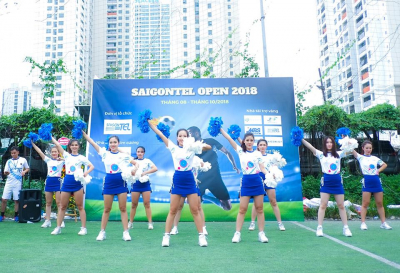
x=371 y=183
x=251 y=184
x=53 y=181
x=331 y=182
x=113 y=183
x=183 y=183
x=145 y=167
x=73 y=161
x=197 y=164
x=262 y=146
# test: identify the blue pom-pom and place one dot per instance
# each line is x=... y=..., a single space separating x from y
x=27 y=143
x=214 y=126
x=343 y=131
x=296 y=135
x=79 y=125
x=143 y=123
x=34 y=137
x=164 y=130
x=45 y=131
x=234 y=131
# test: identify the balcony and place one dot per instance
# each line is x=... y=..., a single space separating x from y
x=111 y=51
x=348 y=75
x=361 y=35
x=365 y=76
x=362 y=49
x=323 y=30
x=366 y=89
x=357 y=11
x=344 y=15
x=363 y=61
x=348 y=62
x=359 y=23
x=111 y=13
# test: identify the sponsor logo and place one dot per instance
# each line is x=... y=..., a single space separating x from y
x=255 y=130
x=183 y=163
x=273 y=130
x=372 y=166
x=72 y=169
x=273 y=120
x=274 y=141
x=118 y=126
x=253 y=119
x=54 y=168
x=250 y=164
x=333 y=167
x=114 y=167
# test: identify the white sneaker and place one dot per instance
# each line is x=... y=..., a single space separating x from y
x=320 y=232
x=126 y=236
x=102 y=236
x=46 y=224
x=56 y=231
x=363 y=226
x=130 y=225
x=150 y=226
x=236 y=237
x=262 y=238
x=252 y=225
x=165 y=240
x=62 y=224
x=202 y=239
x=281 y=226
x=385 y=225
x=205 y=231
x=174 y=230
x=83 y=231
x=347 y=232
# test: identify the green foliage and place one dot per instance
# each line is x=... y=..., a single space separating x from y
x=300 y=100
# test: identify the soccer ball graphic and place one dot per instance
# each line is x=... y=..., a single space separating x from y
x=168 y=120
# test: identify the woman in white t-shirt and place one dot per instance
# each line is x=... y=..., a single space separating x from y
x=53 y=181
x=183 y=183
x=251 y=185
x=73 y=161
x=331 y=182
x=145 y=167
x=371 y=183
x=114 y=162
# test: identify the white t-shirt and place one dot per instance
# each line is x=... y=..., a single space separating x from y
x=369 y=164
x=113 y=162
x=54 y=167
x=266 y=159
x=15 y=168
x=145 y=164
x=183 y=160
x=249 y=161
x=73 y=162
x=329 y=164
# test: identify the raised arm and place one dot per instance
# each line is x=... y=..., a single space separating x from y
x=309 y=146
x=158 y=132
x=91 y=141
x=37 y=149
x=240 y=140
x=231 y=141
x=355 y=154
x=58 y=145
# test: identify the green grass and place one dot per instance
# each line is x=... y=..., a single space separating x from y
x=292 y=211
x=27 y=247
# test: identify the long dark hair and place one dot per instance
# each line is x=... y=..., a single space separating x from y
x=177 y=133
x=333 y=150
x=243 y=145
x=70 y=143
x=261 y=140
x=144 y=151
x=365 y=143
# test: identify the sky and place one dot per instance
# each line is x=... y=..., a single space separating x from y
x=291 y=35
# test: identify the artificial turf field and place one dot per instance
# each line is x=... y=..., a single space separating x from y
x=29 y=248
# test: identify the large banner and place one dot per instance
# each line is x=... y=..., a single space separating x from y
x=263 y=106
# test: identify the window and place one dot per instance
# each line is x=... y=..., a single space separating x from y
x=49 y=15
x=59 y=54
x=48 y=46
x=47 y=54
x=48 y=39
x=58 y=93
x=197 y=38
x=210 y=23
x=210 y=41
x=184 y=27
x=197 y=47
x=184 y=10
x=210 y=32
x=184 y=36
x=58 y=102
x=209 y=6
x=60 y=30
x=61 y=23
x=48 y=23
x=60 y=38
x=60 y=46
x=185 y=53
x=61 y=15
x=185 y=45
x=209 y=14
x=184 y=18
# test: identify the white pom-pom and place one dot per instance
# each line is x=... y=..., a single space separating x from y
x=126 y=175
x=269 y=178
x=193 y=146
x=347 y=144
x=278 y=160
x=206 y=167
x=197 y=162
x=276 y=173
x=78 y=175
x=144 y=179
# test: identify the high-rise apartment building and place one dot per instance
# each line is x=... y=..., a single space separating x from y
x=360 y=59
x=64 y=31
x=16 y=100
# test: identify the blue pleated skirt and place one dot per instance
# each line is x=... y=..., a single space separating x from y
x=183 y=183
x=70 y=184
x=262 y=175
x=372 y=183
x=141 y=187
x=114 y=184
x=332 y=183
x=52 y=184
x=252 y=185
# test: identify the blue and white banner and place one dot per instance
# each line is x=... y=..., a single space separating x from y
x=263 y=106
